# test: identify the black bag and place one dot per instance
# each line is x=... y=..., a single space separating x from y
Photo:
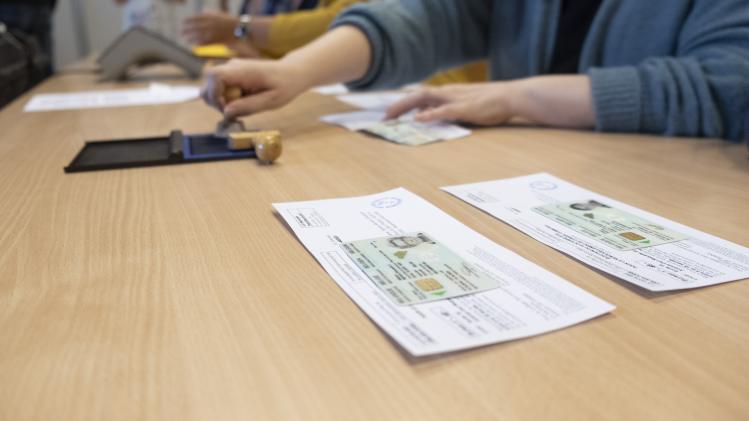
x=15 y=76
x=23 y=63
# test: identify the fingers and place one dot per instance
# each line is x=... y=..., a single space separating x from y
x=251 y=104
x=212 y=91
x=209 y=27
x=193 y=37
x=423 y=99
x=251 y=77
x=192 y=29
x=197 y=30
x=264 y=85
x=447 y=112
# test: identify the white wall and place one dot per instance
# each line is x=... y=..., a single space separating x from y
x=102 y=24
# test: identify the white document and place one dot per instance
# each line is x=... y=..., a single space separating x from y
x=355 y=120
x=338 y=89
x=373 y=101
x=529 y=300
x=363 y=120
x=156 y=93
x=677 y=257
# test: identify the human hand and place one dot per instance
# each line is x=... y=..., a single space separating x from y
x=265 y=85
x=482 y=104
x=209 y=27
x=552 y=100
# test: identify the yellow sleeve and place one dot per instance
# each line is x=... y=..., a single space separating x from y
x=289 y=31
x=474 y=72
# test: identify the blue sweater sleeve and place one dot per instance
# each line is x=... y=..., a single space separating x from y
x=412 y=39
x=703 y=90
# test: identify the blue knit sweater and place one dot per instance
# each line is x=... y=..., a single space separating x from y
x=674 y=67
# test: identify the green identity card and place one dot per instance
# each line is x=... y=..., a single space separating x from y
x=618 y=229
x=403 y=132
x=414 y=268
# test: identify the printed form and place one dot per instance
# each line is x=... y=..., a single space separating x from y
x=642 y=248
x=394 y=254
x=374 y=101
x=155 y=93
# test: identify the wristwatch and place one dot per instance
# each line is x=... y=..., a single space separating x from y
x=242 y=30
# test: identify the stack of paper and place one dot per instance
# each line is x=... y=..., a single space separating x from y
x=429 y=281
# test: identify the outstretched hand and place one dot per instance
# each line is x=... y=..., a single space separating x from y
x=209 y=27
x=479 y=103
x=265 y=85
x=554 y=100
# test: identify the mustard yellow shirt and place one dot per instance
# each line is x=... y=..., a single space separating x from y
x=289 y=31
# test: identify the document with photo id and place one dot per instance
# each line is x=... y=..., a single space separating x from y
x=154 y=94
x=433 y=284
x=642 y=248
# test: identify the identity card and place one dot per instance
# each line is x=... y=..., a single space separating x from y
x=415 y=268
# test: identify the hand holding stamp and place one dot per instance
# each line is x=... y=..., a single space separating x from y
x=267 y=144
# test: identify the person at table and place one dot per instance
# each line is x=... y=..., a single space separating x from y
x=273 y=28
x=156 y=15
x=673 y=67
x=270 y=28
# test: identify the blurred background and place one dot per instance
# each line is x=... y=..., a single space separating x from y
x=83 y=27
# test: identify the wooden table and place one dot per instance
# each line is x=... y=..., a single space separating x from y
x=176 y=293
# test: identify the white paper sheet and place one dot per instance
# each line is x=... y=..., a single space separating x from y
x=373 y=101
x=156 y=93
x=338 y=89
x=530 y=300
x=355 y=120
x=361 y=120
x=697 y=261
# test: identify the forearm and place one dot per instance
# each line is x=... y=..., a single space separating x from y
x=321 y=61
x=559 y=101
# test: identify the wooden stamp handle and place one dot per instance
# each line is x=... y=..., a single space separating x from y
x=232 y=93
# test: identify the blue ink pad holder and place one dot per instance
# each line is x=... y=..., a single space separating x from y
x=177 y=148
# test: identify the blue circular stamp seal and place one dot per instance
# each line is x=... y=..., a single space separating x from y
x=386 y=202
x=543 y=185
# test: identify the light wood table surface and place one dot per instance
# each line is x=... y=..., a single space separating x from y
x=176 y=293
